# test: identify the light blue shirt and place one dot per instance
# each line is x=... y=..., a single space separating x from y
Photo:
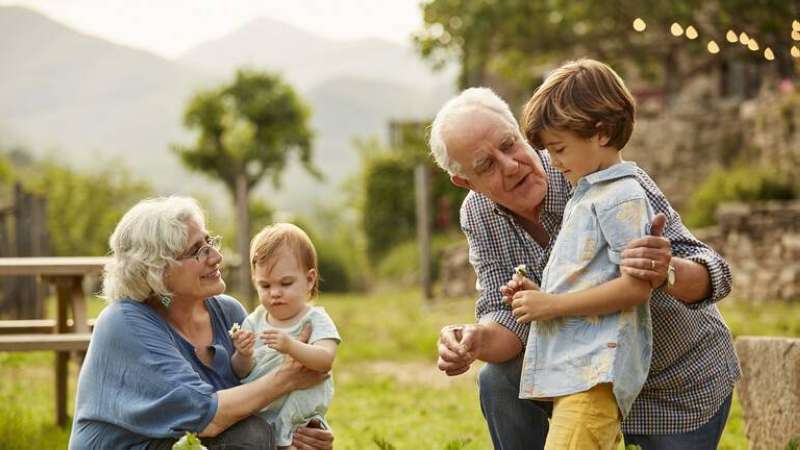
x=608 y=209
x=141 y=380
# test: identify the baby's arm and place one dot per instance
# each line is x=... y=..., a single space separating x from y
x=317 y=356
x=242 y=359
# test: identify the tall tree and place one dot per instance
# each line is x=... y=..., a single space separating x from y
x=246 y=131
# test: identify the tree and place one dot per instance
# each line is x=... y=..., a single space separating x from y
x=517 y=40
x=246 y=131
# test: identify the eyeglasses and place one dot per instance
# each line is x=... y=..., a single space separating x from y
x=202 y=253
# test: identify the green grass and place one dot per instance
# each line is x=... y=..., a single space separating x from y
x=389 y=394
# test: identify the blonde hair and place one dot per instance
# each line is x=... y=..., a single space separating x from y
x=477 y=97
x=274 y=237
x=585 y=97
x=146 y=240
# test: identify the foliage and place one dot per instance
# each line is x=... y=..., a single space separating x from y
x=189 y=441
x=741 y=183
x=401 y=262
x=793 y=444
x=388 y=208
x=83 y=208
x=517 y=40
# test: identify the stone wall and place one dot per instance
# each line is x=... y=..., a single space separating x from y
x=761 y=242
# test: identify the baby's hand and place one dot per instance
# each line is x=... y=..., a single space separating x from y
x=278 y=340
x=244 y=341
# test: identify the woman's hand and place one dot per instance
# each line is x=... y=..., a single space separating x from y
x=244 y=341
x=308 y=438
x=528 y=306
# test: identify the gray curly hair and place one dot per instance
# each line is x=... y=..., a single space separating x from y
x=145 y=242
x=473 y=97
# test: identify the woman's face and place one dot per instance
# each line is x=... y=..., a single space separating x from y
x=197 y=273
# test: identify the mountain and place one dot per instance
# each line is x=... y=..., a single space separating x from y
x=88 y=102
x=307 y=59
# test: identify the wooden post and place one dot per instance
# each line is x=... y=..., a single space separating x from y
x=64 y=297
x=422 y=183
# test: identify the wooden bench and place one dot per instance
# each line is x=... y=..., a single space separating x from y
x=65 y=342
x=38 y=326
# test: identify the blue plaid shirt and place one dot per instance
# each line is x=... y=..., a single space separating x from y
x=693 y=367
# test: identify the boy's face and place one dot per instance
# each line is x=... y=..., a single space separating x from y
x=283 y=286
x=577 y=157
x=496 y=160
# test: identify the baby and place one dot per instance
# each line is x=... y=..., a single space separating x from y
x=283 y=262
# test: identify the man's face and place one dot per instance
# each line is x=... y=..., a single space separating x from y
x=496 y=161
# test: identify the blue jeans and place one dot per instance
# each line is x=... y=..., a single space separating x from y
x=518 y=424
x=704 y=438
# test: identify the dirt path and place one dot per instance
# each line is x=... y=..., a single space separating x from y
x=416 y=373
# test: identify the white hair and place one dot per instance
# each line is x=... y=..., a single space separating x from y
x=479 y=97
x=146 y=240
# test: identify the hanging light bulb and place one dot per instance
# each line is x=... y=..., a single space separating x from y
x=796 y=25
x=743 y=38
x=691 y=32
x=768 y=55
x=731 y=36
x=796 y=35
x=712 y=47
x=752 y=45
x=639 y=24
x=795 y=51
x=676 y=29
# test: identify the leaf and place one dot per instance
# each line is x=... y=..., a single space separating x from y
x=189 y=441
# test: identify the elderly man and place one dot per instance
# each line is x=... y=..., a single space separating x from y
x=512 y=216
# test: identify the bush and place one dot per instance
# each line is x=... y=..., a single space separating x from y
x=741 y=183
x=401 y=263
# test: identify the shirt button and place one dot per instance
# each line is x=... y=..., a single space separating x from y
x=612 y=345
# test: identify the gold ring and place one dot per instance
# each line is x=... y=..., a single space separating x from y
x=652 y=264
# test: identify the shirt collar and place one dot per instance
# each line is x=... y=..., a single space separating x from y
x=620 y=170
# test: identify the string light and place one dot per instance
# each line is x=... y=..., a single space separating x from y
x=752 y=45
x=712 y=47
x=676 y=29
x=796 y=25
x=691 y=32
x=796 y=35
x=743 y=38
x=768 y=54
x=639 y=24
x=732 y=37
x=795 y=52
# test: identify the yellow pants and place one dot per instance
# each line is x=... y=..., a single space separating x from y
x=585 y=421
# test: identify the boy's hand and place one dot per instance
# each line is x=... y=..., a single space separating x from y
x=278 y=340
x=244 y=341
x=517 y=283
x=532 y=305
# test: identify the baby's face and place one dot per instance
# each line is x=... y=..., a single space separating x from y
x=282 y=284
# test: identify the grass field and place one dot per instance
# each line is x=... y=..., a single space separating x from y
x=388 y=391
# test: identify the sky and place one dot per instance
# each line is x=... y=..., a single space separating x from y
x=170 y=27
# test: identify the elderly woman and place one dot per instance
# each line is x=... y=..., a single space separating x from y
x=159 y=361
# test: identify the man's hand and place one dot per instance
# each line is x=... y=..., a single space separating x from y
x=648 y=258
x=309 y=438
x=533 y=305
x=244 y=341
x=458 y=347
x=277 y=340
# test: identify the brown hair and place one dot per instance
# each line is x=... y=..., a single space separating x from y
x=272 y=238
x=585 y=97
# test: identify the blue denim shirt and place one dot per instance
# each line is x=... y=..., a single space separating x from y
x=608 y=209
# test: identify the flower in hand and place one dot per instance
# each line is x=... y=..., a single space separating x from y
x=276 y=339
x=532 y=305
x=244 y=341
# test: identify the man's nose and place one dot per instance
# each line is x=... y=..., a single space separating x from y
x=508 y=164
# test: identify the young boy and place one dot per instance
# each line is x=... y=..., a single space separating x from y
x=285 y=273
x=591 y=367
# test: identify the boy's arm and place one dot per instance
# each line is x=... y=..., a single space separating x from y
x=612 y=296
x=317 y=356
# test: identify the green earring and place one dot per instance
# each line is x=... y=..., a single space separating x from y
x=166 y=300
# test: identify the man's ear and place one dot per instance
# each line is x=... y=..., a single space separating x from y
x=460 y=182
